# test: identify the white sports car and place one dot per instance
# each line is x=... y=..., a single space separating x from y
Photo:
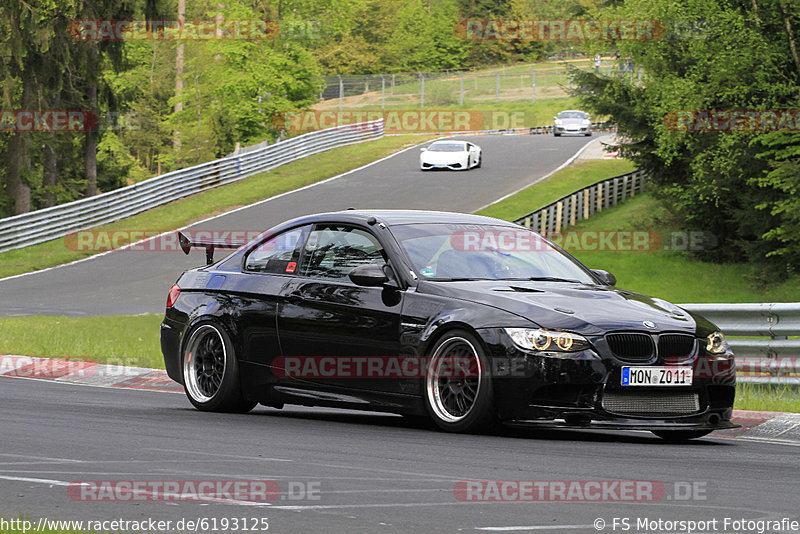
x=454 y=155
x=572 y=121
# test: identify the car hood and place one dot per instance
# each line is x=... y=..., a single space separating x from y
x=442 y=157
x=582 y=308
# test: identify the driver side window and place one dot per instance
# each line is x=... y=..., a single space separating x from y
x=332 y=251
x=278 y=254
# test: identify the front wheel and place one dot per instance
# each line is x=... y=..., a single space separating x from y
x=211 y=371
x=480 y=161
x=458 y=385
x=678 y=436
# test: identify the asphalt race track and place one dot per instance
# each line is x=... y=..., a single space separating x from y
x=342 y=471
x=129 y=282
x=366 y=472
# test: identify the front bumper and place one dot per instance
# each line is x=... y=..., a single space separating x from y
x=583 y=390
x=563 y=130
x=444 y=166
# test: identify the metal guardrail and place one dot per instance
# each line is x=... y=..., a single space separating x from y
x=51 y=223
x=583 y=203
x=759 y=335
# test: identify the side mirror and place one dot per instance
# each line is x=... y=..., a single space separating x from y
x=423 y=149
x=606 y=278
x=370 y=275
x=555 y=118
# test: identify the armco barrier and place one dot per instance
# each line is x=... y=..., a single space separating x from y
x=583 y=203
x=764 y=352
x=51 y=223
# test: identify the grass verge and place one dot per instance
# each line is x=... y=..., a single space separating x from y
x=669 y=274
x=767 y=398
x=215 y=201
x=580 y=174
x=119 y=339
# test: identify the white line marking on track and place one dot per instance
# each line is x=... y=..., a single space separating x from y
x=43 y=458
x=64 y=483
x=105 y=386
x=47 y=481
x=218 y=455
x=536 y=527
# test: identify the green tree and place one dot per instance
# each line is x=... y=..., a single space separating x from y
x=730 y=56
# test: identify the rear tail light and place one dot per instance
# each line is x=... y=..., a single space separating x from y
x=172 y=296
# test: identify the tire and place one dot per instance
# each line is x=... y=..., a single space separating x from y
x=211 y=371
x=556 y=134
x=460 y=400
x=588 y=134
x=680 y=436
x=480 y=162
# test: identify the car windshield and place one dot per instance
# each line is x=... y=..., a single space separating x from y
x=447 y=147
x=447 y=252
x=572 y=115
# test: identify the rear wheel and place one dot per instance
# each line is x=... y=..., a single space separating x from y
x=678 y=436
x=211 y=371
x=557 y=134
x=458 y=385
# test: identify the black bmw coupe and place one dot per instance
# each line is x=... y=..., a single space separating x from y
x=469 y=320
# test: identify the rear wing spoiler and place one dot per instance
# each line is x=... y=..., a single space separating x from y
x=187 y=244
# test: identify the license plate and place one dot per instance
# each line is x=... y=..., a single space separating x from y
x=656 y=376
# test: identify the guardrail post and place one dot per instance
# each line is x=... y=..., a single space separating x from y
x=422 y=91
x=586 y=195
x=341 y=91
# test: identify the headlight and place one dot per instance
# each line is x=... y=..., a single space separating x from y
x=541 y=340
x=716 y=343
